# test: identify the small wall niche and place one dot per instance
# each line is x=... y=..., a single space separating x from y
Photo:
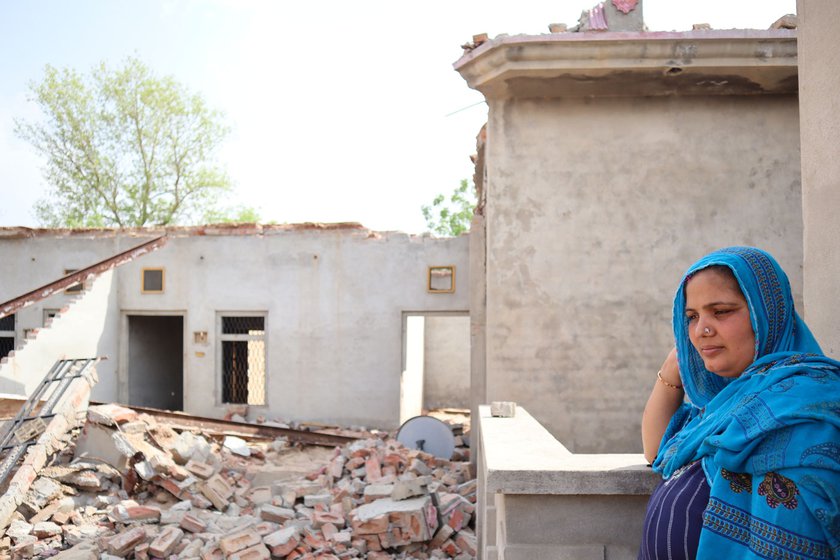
x=441 y=279
x=152 y=280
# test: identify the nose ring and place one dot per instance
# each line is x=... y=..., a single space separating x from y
x=707 y=330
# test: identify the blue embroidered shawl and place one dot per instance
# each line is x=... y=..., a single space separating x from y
x=770 y=438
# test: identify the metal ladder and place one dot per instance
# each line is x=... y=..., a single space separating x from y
x=22 y=431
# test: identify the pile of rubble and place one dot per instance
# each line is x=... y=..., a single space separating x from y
x=131 y=486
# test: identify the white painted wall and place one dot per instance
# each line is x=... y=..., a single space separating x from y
x=334 y=301
x=411 y=388
x=78 y=332
x=446 y=377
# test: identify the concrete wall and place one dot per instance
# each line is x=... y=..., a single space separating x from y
x=446 y=377
x=78 y=332
x=819 y=82
x=536 y=500
x=333 y=299
x=595 y=207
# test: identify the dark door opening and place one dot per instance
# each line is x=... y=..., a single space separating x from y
x=156 y=361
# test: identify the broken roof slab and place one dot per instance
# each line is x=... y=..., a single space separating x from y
x=622 y=64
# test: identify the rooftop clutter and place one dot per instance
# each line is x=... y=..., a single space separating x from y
x=129 y=485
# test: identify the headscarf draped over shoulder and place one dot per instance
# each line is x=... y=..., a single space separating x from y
x=777 y=326
x=769 y=439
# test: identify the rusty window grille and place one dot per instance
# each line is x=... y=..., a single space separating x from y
x=7 y=335
x=242 y=341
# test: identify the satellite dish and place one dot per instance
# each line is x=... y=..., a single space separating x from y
x=428 y=434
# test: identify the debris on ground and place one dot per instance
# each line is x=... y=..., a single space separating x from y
x=130 y=485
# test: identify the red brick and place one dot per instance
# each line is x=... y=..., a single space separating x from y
x=466 y=542
x=354 y=463
x=265 y=528
x=393 y=538
x=359 y=544
x=456 y=519
x=256 y=552
x=141 y=551
x=443 y=533
x=122 y=543
x=171 y=487
x=329 y=530
x=214 y=553
x=378 y=524
x=238 y=541
x=110 y=414
x=221 y=486
x=450 y=548
x=201 y=470
x=166 y=542
x=193 y=524
x=143 y=513
x=372 y=542
x=373 y=471
x=314 y=541
x=320 y=518
x=282 y=542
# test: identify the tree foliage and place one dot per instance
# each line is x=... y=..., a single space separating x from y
x=451 y=217
x=124 y=148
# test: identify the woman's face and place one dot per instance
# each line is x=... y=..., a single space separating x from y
x=719 y=323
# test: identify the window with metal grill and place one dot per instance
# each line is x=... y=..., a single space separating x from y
x=7 y=335
x=242 y=340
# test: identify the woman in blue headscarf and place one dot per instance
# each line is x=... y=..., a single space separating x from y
x=751 y=464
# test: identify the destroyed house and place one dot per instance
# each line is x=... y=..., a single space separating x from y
x=321 y=323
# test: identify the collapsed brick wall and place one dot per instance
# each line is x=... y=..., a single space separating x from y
x=132 y=487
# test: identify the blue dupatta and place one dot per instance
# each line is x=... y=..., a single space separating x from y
x=769 y=440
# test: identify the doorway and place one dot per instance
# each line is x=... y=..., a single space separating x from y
x=156 y=361
x=436 y=362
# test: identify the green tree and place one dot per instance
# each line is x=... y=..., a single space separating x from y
x=452 y=217
x=233 y=215
x=123 y=148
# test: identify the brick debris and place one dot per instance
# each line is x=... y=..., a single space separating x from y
x=128 y=485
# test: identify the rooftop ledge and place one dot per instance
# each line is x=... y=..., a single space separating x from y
x=621 y=64
x=521 y=457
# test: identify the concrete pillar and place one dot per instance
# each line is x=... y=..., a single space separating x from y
x=819 y=108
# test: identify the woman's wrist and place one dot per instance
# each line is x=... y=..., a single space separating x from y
x=666 y=382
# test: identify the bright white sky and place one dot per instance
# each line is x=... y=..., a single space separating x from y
x=341 y=111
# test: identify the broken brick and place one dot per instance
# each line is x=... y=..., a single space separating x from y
x=201 y=470
x=256 y=552
x=120 y=544
x=282 y=542
x=165 y=542
x=239 y=540
x=192 y=524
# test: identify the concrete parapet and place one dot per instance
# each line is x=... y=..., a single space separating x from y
x=538 y=500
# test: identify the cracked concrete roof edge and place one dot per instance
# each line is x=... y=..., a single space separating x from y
x=626 y=37
x=606 y=63
x=218 y=230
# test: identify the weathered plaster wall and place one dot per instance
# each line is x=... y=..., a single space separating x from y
x=334 y=302
x=446 y=378
x=76 y=333
x=595 y=207
x=819 y=82
x=30 y=262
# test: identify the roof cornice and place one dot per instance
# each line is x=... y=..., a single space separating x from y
x=613 y=64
